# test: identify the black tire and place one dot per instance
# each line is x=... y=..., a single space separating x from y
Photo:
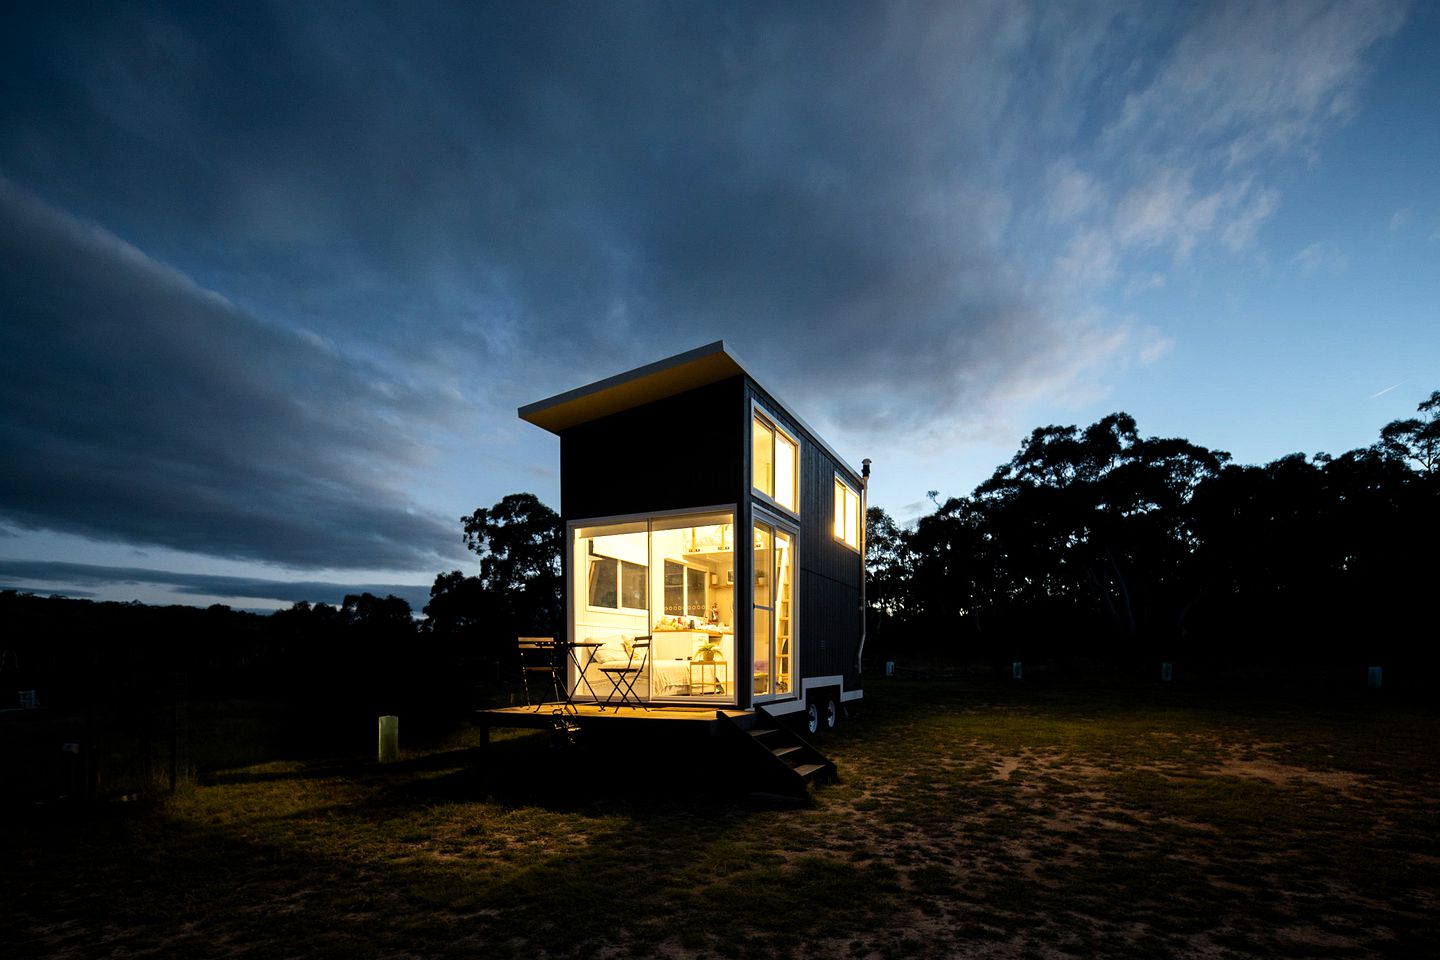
x=812 y=717
x=832 y=712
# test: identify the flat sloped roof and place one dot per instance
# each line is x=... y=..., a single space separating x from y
x=654 y=381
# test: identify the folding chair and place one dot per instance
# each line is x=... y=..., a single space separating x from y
x=623 y=677
x=537 y=655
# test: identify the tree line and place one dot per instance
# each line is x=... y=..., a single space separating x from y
x=1101 y=546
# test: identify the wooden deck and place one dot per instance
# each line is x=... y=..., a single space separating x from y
x=590 y=715
x=763 y=752
x=544 y=715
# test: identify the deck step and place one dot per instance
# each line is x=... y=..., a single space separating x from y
x=779 y=759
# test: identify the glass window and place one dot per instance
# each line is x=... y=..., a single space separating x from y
x=616 y=565
x=685 y=591
x=762 y=670
x=775 y=462
x=763 y=563
x=616 y=584
x=773 y=616
x=786 y=453
x=847 y=514
x=632 y=586
x=672 y=578
x=695 y=593
x=762 y=439
x=604 y=591
x=784 y=614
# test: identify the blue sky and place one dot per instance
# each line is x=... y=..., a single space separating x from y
x=275 y=279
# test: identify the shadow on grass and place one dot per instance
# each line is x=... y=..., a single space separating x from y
x=612 y=848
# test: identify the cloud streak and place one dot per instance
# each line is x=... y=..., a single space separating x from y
x=202 y=584
x=143 y=408
x=1241 y=85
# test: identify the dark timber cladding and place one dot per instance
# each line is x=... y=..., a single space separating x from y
x=677 y=453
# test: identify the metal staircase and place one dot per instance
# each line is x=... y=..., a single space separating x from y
x=777 y=758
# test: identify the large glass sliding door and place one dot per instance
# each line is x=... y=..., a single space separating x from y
x=671 y=578
x=773 y=611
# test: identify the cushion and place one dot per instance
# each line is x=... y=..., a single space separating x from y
x=611 y=650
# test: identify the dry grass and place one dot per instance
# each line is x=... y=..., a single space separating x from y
x=971 y=820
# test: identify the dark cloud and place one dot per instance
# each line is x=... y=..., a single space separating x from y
x=141 y=408
x=203 y=584
x=513 y=194
x=489 y=203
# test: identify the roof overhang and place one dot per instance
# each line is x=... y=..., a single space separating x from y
x=654 y=381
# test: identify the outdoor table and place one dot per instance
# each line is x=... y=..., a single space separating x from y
x=573 y=648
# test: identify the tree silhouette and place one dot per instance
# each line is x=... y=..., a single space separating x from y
x=518 y=589
x=518 y=541
x=1416 y=439
x=1101 y=544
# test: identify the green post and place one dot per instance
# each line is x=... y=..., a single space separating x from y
x=389 y=749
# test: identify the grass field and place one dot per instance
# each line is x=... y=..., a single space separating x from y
x=972 y=819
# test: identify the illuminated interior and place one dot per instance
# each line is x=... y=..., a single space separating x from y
x=847 y=515
x=671 y=578
x=773 y=671
x=773 y=458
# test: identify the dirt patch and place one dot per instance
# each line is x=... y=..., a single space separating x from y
x=1284 y=774
x=1005 y=766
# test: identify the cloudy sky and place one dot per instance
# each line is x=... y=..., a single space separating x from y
x=274 y=279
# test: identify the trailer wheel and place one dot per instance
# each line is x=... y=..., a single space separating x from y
x=812 y=717
x=832 y=712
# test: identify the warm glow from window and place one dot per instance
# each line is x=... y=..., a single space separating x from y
x=785 y=456
x=762 y=440
x=670 y=578
x=847 y=514
x=775 y=463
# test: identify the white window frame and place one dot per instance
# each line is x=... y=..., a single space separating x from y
x=835 y=515
x=758 y=412
x=594 y=558
x=684 y=584
x=778 y=523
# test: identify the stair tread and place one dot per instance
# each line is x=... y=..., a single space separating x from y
x=793 y=753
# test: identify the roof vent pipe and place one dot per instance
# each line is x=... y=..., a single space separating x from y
x=864 y=518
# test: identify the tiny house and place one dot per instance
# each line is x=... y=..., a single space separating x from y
x=701 y=512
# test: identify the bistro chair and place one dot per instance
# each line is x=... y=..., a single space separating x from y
x=623 y=676
x=538 y=655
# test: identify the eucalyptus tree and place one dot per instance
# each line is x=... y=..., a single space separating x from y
x=517 y=590
x=1095 y=526
x=1416 y=439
